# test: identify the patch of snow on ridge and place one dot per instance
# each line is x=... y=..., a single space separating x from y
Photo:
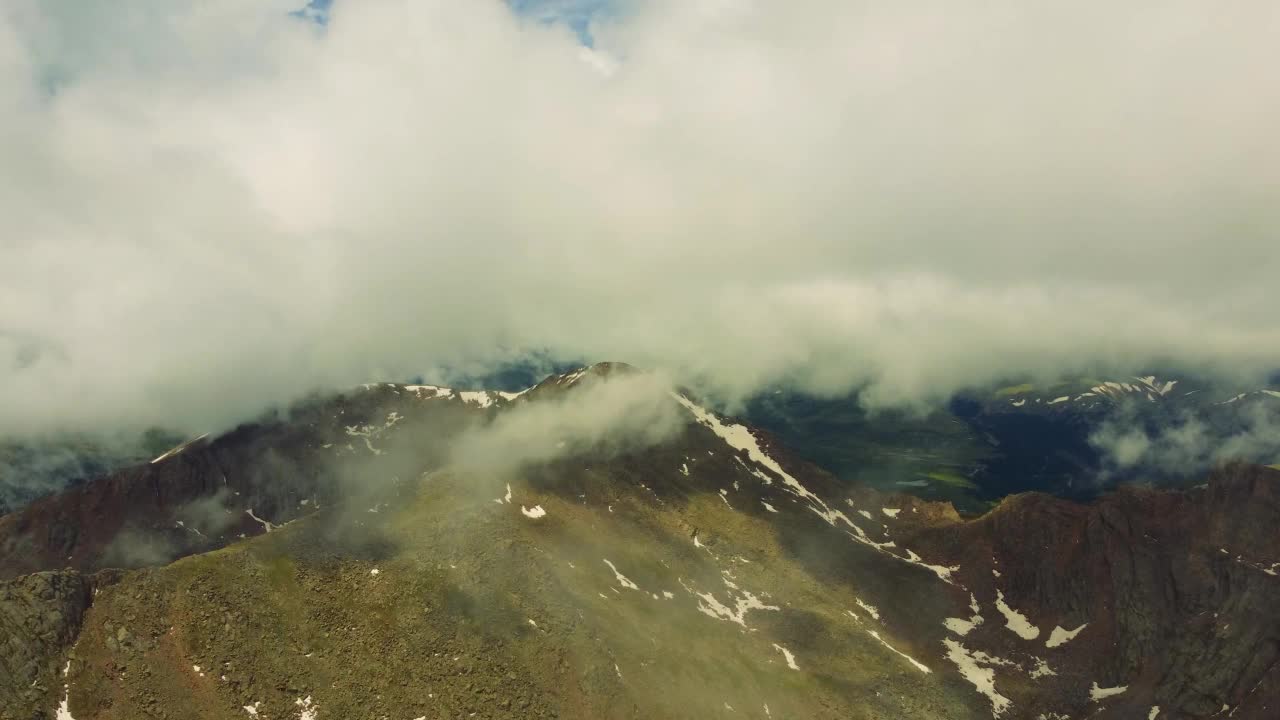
x=963 y=627
x=178 y=449
x=251 y=709
x=1100 y=693
x=1016 y=621
x=740 y=438
x=916 y=663
x=623 y=580
x=768 y=507
x=1057 y=400
x=1018 y=403
x=982 y=678
x=267 y=525
x=1061 y=636
x=573 y=377
x=943 y=572
x=868 y=608
x=534 y=512
x=1042 y=669
x=480 y=398
x=427 y=392
x=1155 y=710
x=511 y=395
x=891 y=512
x=791 y=659
x=710 y=606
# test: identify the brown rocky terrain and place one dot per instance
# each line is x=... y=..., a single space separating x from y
x=706 y=572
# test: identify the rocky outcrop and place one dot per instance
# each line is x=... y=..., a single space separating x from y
x=40 y=617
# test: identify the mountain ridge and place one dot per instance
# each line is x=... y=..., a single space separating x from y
x=904 y=583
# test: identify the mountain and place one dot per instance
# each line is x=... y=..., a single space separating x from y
x=1068 y=438
x=603 y=546
x=33 y=468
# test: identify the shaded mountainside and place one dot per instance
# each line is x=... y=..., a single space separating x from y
x=704 y=573
x=36 y=467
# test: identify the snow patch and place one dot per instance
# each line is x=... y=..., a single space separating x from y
x=252 y=709
x=710 y=606
x=267 y=526
x=1057 y=400
x=768 y=507
x=178 y=449
x=1016 y=621
x=64 y=708
x=971 y=666
x=1100 y=693
x=916 y=663
x=428 y=392
x=534 y=512
x=791 y=659
x=509 y=396
x=868 y=608
x=480 y=398
x=943 y=572
x=1061 y=636
x=1155 y=710
x=308 y=711
x=622 y=579
x=1042 y=669
x=963 y=627
x=891 y=512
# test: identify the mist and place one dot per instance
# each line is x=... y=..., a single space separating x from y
x=211 y=209
x=605 y=417
x=1188 y=445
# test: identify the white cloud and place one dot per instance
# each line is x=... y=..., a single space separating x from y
x=1188 y=444
x=209 y=207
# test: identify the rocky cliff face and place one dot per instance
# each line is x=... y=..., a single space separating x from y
x=40 y=617
x=705 y=573
x=1174 y=593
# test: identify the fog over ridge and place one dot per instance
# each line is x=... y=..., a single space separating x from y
x=214 y=208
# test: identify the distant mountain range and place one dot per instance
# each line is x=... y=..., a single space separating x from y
x=1067 y=438
x=612 y=548
x=982 y=446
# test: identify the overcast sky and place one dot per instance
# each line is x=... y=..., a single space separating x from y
x=208 y=207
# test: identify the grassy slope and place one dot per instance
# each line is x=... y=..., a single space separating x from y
x=443 y=629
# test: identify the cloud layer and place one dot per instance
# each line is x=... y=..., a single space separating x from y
x=213 y=207
x=1188 y=444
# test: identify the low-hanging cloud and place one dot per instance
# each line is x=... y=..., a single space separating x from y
x=1187 y=445
x=606 y=416
x=213 y=207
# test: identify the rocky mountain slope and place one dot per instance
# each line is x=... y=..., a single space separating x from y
x=601 y=546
